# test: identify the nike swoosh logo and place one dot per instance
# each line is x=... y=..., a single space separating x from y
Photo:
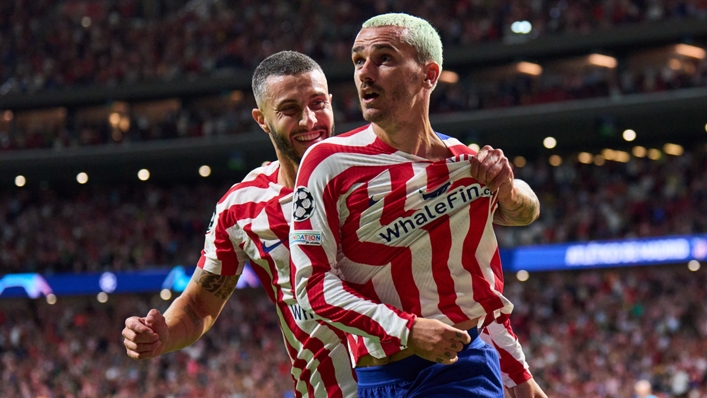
x=268 y=249
x=437 y=192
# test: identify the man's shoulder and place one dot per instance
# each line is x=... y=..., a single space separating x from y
x=455 y=145
x=255 y=187
x=354 y=141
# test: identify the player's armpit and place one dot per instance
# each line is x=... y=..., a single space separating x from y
x=520 y=208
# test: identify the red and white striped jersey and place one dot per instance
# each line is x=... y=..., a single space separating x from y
x=251 y=223
x=380 y=236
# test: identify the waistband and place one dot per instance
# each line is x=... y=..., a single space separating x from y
x=406 y=370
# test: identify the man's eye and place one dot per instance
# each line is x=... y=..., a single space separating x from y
x=318 y=104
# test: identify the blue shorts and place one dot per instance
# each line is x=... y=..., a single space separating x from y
x=477 y=373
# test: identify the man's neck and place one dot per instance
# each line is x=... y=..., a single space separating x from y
x=288 y=172
x=415 y=137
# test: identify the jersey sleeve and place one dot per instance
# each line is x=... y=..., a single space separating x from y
x=220 y=255
x=514 y=368
x=314 y=239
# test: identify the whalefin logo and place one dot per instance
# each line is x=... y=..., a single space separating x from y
x=437 y=192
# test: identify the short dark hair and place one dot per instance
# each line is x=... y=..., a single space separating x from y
x=284 y=63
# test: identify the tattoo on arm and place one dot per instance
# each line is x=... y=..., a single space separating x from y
x=195 y=318
x=221 y=286
x=523 y=211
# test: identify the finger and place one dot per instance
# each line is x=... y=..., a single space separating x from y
x=152 y=317
x=454 y=334
x=446 y=358
x=474 y=167
x=500 y=180
x=141 y=348
x=483 y=153
x=455 y=346
x=146 y=337
x=497 y=175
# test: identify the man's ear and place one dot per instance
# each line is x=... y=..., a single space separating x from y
x=259 y=118
x=432 y=71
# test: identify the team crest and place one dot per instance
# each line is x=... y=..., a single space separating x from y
x=303 y=204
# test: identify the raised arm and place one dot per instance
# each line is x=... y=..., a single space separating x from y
x=189 y=316
x=517 y=203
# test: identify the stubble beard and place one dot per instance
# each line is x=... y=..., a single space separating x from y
x=285 y=147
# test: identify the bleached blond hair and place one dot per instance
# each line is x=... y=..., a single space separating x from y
x=416 y=31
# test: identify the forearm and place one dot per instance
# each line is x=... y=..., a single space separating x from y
x=187 y=322
x=194 y=312
x=350 y=311
x=520 y=207
x=514 y=367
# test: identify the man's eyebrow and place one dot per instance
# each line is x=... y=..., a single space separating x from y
x=294 y=101
x=376 y=47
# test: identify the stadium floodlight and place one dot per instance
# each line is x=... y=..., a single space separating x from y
x=629 y=135
x=654 y=154
x=529 y=68
x=447 y=76
x=519 y=161
x=555 y=160
x=521 y=27
x=522 y=275
x=143 y=174
x=603 y=60
x=690 y=51
x=693 y=265
x=82 y=178
x=204 y=171
x=20 y=181
x=639 y=151
x=549 y=142
x=585 y=158
x=673 y=149
x=474 y=147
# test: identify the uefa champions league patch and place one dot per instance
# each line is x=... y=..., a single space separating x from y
x=303 y=204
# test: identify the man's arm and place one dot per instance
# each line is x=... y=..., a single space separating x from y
x=189 y=316
x=521 y=207
x=517 y=203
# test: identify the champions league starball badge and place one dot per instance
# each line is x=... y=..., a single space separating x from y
x=303 y=204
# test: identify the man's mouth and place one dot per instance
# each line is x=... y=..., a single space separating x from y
x=306 y=137
x=368 y=95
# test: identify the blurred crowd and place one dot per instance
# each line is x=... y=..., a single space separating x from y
x=593 y=333
x=74 y=348
x=218 y=116
x=73 y=43
x=590 y=333
x=49 y=44
x=640 y=198
x=114 y=227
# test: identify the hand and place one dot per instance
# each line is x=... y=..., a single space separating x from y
x=527 y=389
x=145 y=337
x=436 y=341
x=492 y=168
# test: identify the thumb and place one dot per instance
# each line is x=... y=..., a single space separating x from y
x=155 y=320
